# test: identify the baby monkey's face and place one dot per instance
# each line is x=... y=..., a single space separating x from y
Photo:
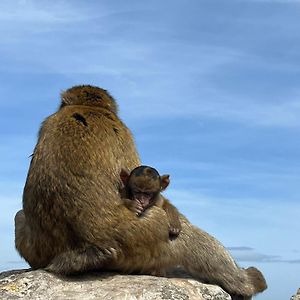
x=144 y=185
x=144 y=189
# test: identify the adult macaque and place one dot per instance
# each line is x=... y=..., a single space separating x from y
x=141 y=190
x=72 y=220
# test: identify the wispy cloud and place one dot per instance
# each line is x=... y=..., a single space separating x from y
x=154 y=72
x=293 y=261
x=276 y=1
x=254 y=209
x=248 y=254
x=215 y=105
x=43 y=12
x=258 y=113
x=240 y=248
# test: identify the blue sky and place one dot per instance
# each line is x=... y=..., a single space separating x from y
x=210 y=90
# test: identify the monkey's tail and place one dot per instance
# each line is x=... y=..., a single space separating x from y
x=257 y=279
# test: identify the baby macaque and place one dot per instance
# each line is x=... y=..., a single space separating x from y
x=141 y=190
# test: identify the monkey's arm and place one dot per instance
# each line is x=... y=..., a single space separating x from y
x=173 y=217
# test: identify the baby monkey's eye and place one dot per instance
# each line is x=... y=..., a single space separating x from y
x=140 y=194
x=137 y=192
x=149 y=194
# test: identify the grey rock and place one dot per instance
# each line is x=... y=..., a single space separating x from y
x=297 y=296
x=27 y=284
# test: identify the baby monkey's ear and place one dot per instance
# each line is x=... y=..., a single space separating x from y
x=124 y=175
x=164 y=182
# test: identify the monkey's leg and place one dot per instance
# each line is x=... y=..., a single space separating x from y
x=205 y=258
x=69 y=262
x=24 y=241
x=22 y=238
x=80 y=260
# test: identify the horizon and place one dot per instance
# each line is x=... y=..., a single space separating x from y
x=210 y=91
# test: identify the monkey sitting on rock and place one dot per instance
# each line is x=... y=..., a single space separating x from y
x=141 y=190
x=72 y=220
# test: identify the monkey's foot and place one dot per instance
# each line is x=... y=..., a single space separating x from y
x=112 y=252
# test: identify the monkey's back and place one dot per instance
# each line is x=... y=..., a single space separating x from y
x=75 y=166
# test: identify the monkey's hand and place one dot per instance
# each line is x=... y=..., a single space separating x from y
x=134 y=206
x=174 y=226
x=173 y=218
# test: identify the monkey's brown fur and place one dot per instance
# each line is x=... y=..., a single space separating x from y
x=73 y=218
x=142 y=189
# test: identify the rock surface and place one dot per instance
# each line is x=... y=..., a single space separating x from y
x=297 y=296
x=27 y=284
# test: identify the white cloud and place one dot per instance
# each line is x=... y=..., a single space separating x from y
x=29 y=11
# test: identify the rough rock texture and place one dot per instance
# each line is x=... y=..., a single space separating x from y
x=26 y=284
x=297 y=296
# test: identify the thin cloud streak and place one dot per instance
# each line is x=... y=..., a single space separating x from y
x=240 y=248
x=248 y=254
x=42 y=12
x=293 y=261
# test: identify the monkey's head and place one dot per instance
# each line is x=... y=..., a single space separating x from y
x=143 y=184
x=89 y=96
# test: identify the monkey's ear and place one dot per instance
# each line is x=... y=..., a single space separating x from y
x=65 y=98
x=165 y=180
x=124 y=175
